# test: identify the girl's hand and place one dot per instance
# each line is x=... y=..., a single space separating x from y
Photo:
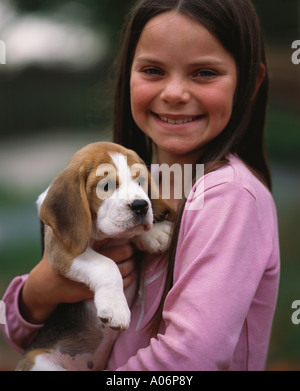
x=45 y=289
x=124 y=256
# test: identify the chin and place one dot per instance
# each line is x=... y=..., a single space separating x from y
x=179 y=150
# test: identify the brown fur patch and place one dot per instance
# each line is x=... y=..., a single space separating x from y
x=28 y=361
x=59 y=256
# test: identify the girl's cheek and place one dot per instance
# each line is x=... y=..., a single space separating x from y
x=137 y=106
x=136 y=98
x=141 y=98
x=142 y=91
x=219 y=100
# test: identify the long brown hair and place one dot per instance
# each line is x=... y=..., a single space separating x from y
x=236 y=25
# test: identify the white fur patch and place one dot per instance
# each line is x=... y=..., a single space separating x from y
x=122 y=167
x=41 y=198
x=103 y=277
x=157 y=239
x=46 y=362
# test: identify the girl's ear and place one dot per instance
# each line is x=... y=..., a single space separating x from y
x=260 y=79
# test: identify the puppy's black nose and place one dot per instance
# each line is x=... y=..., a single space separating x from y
x=140 y=207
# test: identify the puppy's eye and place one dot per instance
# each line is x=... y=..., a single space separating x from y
x=141 y=181
x=105 y=187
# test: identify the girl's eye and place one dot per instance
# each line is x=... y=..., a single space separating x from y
x=206 y=74
x=152 y=71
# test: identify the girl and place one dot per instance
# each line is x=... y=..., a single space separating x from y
x=191 y=88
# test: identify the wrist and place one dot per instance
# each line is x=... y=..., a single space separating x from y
x=31 y=310
x=25 y=312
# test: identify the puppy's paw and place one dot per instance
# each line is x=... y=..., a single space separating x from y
x=155 y=241
x=112 y=309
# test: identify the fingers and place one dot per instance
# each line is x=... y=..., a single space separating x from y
x=129 y=279
x=124 y=256
x=119 y=254
x=126 y=267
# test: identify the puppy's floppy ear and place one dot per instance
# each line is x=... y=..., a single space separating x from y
x=162 y=209
x=66 y=210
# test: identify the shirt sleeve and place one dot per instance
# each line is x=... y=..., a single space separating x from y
x=222 y=254
x=19 y=333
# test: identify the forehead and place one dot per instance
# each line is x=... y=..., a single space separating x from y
x=177 y=37
x=127 y=167
x=121 y=165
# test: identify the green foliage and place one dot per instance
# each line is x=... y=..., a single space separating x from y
x=279 y=17
x=20 y=257
x=283 y=135
x=108 y=14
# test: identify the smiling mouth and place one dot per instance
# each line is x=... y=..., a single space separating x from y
x=178 y=121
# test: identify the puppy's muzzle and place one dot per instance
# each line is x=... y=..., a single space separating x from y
x=139 y=207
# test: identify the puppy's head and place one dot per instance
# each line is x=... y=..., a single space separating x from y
x=106 y=191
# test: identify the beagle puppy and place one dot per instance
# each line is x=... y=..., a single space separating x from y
x=106 y=192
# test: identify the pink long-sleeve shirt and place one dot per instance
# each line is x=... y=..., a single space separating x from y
x=218 y=314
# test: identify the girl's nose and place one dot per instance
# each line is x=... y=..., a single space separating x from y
x=175 y=92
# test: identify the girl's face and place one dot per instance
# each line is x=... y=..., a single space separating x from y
x=182 y=86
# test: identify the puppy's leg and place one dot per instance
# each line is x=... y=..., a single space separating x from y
x=45 y=362
x=157 y=239
x=40 y=360
x=103 y=277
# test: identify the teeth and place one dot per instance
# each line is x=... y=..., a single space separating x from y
x=178 y=121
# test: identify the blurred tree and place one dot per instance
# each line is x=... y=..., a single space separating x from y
x=108 y=14
x=279 y=17
x=280 y=20
x=19 y=99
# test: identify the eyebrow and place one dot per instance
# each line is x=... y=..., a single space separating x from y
x=148 y=60
x=202 y=62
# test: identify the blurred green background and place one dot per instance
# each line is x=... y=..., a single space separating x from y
x=55 y=95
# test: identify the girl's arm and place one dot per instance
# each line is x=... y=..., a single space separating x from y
x=219 y=311
x=30 y=299
x=19 y=332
